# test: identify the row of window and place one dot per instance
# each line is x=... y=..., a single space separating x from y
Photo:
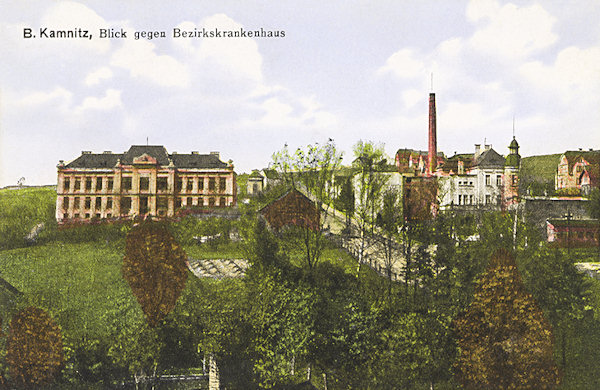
x=87 y=182
x=488 y=180
x=144 y=184
x=85 y=203
x=470 y=199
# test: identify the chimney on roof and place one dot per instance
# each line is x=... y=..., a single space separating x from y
x=107 y=152
x=194 y=152
x=173 y=152
x=432 y=151
x=580 y=149
x=86 y=152
x=215 y=154
x=487 y=147
x=591 y=149
x=477 y=150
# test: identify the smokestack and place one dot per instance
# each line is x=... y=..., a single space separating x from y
x=432 y=152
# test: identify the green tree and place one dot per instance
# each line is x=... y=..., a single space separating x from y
x=504 y=340
x=34 y=348
x=594 y=203
x=371 y=162
x=154 y=266
x=311 y=170
x=389 y=220
x=346 y=201
x=560 y=289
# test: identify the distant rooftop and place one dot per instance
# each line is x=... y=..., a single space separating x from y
x=156 y=152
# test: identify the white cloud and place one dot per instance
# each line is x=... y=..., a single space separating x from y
x=239 y=55
x=140 y=59
x=403 y=64
x=95 y=77
x=60 y=97
x=112 y=99
x=574 y=75
x=510 y=31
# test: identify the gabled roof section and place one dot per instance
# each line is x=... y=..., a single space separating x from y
x=197 y=161
x=292 y=208
x=489 y=158
x=157 y=152
x=591 y=156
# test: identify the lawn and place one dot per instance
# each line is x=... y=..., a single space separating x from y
x=80 y=284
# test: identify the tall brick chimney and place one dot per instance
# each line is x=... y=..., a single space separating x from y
x=432 y=152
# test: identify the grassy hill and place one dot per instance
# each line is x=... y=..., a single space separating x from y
x=537 y=174
x=21 y=210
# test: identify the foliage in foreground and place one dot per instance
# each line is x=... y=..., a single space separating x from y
x=34 y=348
x=504 y=340
x=154 y=266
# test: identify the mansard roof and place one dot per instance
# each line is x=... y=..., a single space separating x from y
x=197 y=161
x=157 y=152
x=92 y=160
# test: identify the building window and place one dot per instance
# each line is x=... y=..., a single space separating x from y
x=487 y=180
x=88 y=203
x=77 y=184
x=125 y=205
x=211 y=202
x=222 y=184
x=459 y=199
x=222 y=202
x=109 y=185
x=190 y=184
x=109 y=203
x=515 y=180
x=144 y=183
x=88 y=184
x=76 y=215
x=162 y=205
x=189 y=201
x=98 y=202
x=498 y=180
x=66 y=184
x=201 y=183
x=65 y=203
x=98 y=184
x=211 y=183
x=200 y=202
x=77 y=203
x=488 y=199
x=177 y=202
x=471 y=198
x=127 y=183
x=179 y=184
x=161 y=183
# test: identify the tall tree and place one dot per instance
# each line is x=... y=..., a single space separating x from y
x=154 y=266
x=389 y=220
x=311 y=170
x=370 y=160
x=560 y=289
x=504 y=340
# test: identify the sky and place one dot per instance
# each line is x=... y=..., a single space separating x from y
x=346 y=70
